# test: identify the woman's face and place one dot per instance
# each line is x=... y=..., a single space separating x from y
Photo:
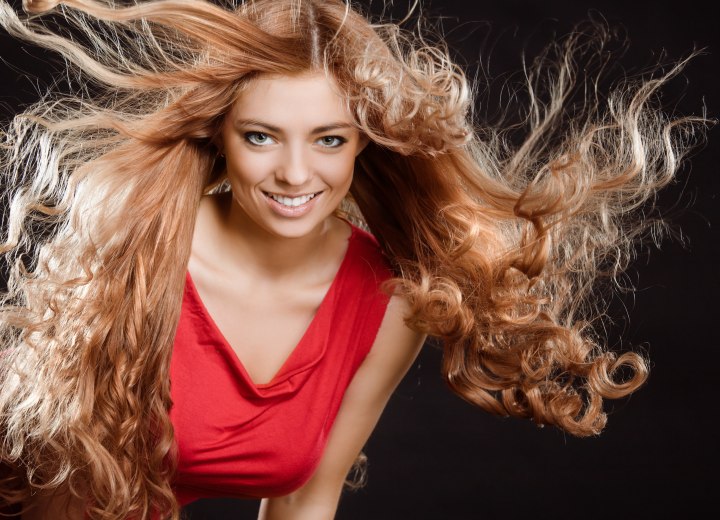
x=290 y=148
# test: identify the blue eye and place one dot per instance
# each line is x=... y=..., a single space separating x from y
x=258 y=138
x=331 y=141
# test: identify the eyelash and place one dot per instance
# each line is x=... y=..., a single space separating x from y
x=338 y=141
x=249 y=136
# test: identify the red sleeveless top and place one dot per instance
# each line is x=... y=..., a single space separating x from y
x=240 y=439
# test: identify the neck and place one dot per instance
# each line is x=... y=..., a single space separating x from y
x=251 y=248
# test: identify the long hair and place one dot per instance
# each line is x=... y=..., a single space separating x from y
x=496 y=246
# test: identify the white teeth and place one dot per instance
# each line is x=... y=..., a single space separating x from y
x=291 y=201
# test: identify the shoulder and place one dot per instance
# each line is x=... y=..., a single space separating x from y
x=368 y=254
x=364 y=237
x=395 y=340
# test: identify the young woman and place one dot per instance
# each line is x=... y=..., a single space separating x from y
x=226 y=250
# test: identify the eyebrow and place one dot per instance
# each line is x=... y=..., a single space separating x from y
x=318 y=130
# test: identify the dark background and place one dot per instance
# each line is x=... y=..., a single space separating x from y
x=435 y=457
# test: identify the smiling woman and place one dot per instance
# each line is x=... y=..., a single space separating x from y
x=285 y=183
x=290 y=145
x=225 y=252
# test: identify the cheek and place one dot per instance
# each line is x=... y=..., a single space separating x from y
x=249 y=169
x=338 y=169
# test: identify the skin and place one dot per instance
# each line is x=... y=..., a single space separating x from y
x=287 y=265
x=269 y=272
x=255 y=269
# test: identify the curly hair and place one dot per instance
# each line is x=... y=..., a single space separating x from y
x=496 y=246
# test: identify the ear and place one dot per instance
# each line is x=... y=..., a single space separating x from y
x=362 y=143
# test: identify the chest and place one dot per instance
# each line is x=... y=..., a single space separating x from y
x=238 y=438
x=261 y=322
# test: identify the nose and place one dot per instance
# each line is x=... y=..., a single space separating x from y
x=294 y=168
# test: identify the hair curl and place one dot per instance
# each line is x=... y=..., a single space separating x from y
x=497 y=247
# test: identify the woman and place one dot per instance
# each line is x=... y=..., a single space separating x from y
x=200 y=312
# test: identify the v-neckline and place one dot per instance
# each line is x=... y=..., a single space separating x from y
x=288 y=367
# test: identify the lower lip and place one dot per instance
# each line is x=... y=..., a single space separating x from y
x=291 y=211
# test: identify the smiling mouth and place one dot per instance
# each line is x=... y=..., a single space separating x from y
x=292 y=202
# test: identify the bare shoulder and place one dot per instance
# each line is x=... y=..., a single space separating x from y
x=394 y=329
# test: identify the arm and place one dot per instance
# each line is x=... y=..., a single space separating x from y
x=392 y=354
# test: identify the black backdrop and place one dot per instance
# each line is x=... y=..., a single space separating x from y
x=432 y=455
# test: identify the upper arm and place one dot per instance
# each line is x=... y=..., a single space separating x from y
x=395 y=348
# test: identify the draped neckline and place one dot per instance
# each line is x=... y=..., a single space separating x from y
x=302 y=356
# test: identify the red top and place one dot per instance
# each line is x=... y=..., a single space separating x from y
x=240 y=439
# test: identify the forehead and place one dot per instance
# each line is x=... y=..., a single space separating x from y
x=283 y=100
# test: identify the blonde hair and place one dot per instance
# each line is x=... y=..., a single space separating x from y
x=496 y=247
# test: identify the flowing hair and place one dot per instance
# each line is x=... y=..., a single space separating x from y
x=496 y=246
